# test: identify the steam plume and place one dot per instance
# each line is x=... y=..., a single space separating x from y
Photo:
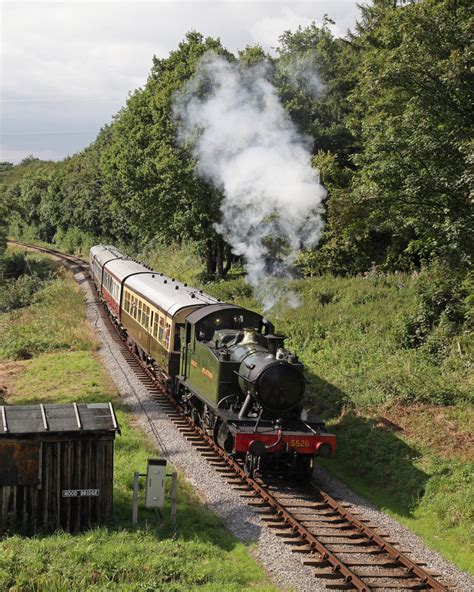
x=247 y=146
x=301 y=71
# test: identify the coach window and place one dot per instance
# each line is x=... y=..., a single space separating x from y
x=155 y=325
x=146 y=316
x=162 y=329
x=167 y=335
x=140 y=311
x=126 y=305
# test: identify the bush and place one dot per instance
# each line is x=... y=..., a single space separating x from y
x=19 y=293
x=24 y=275
x=442 y=307
x=18 y=263
x=75 y=241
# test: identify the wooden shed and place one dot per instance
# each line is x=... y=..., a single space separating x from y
x=56 y=466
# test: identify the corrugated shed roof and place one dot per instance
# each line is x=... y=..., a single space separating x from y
x=50 y=419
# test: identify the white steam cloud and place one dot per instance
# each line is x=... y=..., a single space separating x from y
x=247 y=146
x=301 y=71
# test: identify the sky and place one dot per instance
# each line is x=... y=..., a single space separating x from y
x=67 y=67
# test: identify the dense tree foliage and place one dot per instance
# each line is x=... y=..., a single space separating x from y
x=413 y=111
x=388 y=112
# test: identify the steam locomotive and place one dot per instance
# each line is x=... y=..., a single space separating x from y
x=224 y=364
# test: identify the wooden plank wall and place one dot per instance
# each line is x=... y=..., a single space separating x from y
x=65 y=464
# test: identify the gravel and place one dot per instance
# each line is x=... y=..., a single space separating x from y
x=284 y=568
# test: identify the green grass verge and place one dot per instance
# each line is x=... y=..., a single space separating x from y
x=199 y=555
x=55 y=321
x=435 y=518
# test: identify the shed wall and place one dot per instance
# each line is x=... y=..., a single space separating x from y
x=64 y=464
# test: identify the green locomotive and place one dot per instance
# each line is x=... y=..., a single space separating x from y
x=222 y=362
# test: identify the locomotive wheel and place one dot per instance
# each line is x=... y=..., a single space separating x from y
x=195 y=416
x=250 y=465
x=223 y=437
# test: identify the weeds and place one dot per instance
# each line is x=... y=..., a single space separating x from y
x=55 y=321
x=23 y=276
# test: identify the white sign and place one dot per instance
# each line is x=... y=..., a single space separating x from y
x=81 y=492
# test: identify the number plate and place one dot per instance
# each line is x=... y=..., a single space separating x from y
x=295 y=443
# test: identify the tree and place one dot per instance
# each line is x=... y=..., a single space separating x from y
x=315 y=74
x=149 y=177
x=413 y=109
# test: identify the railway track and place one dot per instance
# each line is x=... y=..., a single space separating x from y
x=341 y=547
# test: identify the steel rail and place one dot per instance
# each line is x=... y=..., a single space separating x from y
x=385 y=546
x=349 y=577
x=338 y=566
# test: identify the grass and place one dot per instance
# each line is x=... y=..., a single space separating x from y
x=44 y=326
x=454 y=542
x=199 y=555
x=403 y=416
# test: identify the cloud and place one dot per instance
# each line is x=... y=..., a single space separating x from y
x=268 y=29
x=56 y=53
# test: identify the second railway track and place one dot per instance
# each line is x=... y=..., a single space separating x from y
x=341 y=547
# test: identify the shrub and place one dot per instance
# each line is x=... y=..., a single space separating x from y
x=18 y=293
x=442 y=307
x=24 y=274
x=18 y=263
x=75 y=241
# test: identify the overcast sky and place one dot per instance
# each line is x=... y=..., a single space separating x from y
x=67 y=67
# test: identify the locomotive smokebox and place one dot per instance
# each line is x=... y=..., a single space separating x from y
x=277 y=386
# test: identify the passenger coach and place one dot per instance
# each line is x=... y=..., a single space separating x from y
x=150 y=306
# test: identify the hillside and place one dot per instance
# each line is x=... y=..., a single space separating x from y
x=341 y=160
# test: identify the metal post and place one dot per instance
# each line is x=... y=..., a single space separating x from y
x=174 y=488
x=136 y=474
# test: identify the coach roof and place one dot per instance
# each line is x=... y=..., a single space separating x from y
x=167 y=293
x=122 y=268
x=104 y=253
